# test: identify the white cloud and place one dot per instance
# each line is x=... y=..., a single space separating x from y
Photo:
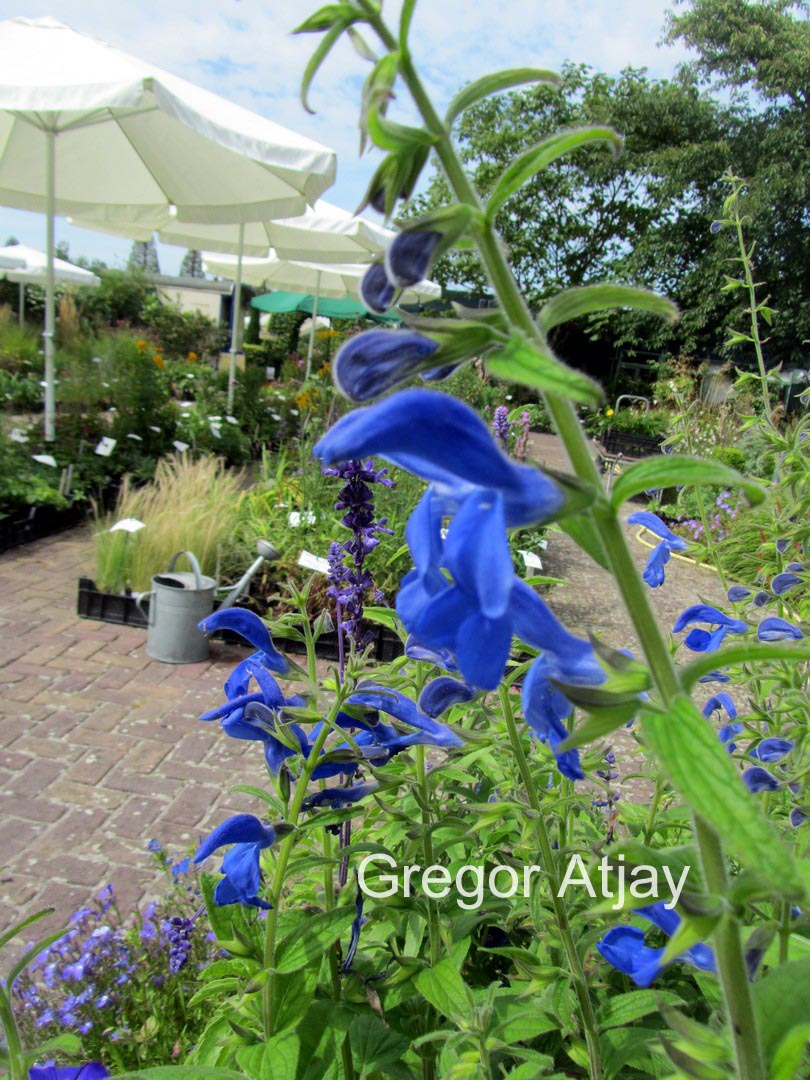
x=243 y=50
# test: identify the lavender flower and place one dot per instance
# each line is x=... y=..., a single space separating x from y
x=348 y=585
x=178 y=931
x=501 y=426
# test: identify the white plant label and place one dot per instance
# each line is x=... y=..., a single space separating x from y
x=105 y=446
x=179 y=446
x=130 y=525
x=45 y=459
x=313 y=562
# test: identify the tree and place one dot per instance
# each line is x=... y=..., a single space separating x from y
x=144 y=256
x=760 y=52
x=192 y=264
x=639 y=218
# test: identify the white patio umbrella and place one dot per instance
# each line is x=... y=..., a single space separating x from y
x=324 y=234
x=90 y=131
x=10 y=261
x=329 y=280
x=34 y=271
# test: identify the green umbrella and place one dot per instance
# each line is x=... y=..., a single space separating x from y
x=347 y=308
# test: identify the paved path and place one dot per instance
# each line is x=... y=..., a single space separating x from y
x=100 y=749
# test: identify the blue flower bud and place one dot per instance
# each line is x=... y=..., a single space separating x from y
x=757 y=779
x=774 y=629
x=408 y=259
x=372 y=363
x=772 y=750
x=376 y=291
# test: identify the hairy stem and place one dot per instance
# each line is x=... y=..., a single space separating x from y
x=558 y=903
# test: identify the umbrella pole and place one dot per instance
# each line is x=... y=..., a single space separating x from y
x=312 y=328
x=48 y=333
x=22 y=305
x=236 y=320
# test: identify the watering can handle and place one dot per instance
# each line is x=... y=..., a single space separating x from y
x=195 y=566
x=140 y=600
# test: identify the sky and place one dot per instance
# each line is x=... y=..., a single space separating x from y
x=243 y=50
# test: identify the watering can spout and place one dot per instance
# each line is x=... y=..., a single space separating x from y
x=266 y=551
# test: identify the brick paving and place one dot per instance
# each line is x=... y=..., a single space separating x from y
x=100 y=749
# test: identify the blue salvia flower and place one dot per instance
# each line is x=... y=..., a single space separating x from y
x=376 y=291
x=358 y=922
x=93 y=1070
x=624 y=948
x=546 y=709
x=699 y=640
x=727 y=733
x=757 y=779
x=772 y=749
x=795 y=567
x=427 y=730
x=334 y=798
x=447 y=444
x=249 y=626
x=408 y=257
x=241 y=864
x=374 y=362
x=442 y=658
x=774 y=629
x=785 y=581
x=660 y=556
x=798 y=817
x=762 y=598
x=441 y=694
x=718 y=702
x=737 y=593
x=782 y=545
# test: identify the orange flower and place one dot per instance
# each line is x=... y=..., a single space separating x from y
x=140 y=345
x=158 y=360
x=192 y=357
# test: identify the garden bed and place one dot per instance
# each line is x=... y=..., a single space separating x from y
x=19 y=527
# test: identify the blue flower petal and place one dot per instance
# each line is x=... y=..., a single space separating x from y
x=239 y=829
x=718 y=702
x=711 y=615
x=774 y=629
x=249 y=626
x=654 y=569
x=762 y=598
x=737 y=593
x=477 y=554
x=337 y=797
x=757 y=779
x=657 y=526
x=376 y=291
x=374 y=362
x=402 y=708
x=798 y=817
x=441 y=694
x=443 y=441
x=783 y=582
x=623 y=947
x=482 y=649
x=442 y=658
x=772 y=749
x=408 y=257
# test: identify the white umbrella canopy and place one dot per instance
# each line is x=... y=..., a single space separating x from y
x=89 y=131
x=329 y=280
x=334 y=281
x=33 y=266
x=10 y=260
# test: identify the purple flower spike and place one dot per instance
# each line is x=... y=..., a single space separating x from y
x=778 y=630
x=772 y=750
x=376 y=291
x=757 y=779
x=372 y=363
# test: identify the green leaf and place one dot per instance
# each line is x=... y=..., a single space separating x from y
x=673 y=470
x=361 y=46
x=625 y=1009
x=585 y=535
x=405 y=16
x=325 y=46
x=752 y=653
x=782 y=1002
x=445 y=989
x=787 y=1059
x=541 y=156
x=599 y=723
x=20 y=926
x=389 y=135
x=277 y=1058
x=183 y=1072
x=382 y=615
x=695 y=761
x=573 y=303
x=530 y=364
x=325 y=18
x=312 y=938
x=494 y=84
x=374 y=1045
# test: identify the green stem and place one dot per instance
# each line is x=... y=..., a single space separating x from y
x=285 y=850
x=334 y=971
x=557 y=902
x=434 y=928
x=784 y=933
x=16 y=1058
x=745 y=257
x=731 y=962
x=727 y=939
x=649 y=828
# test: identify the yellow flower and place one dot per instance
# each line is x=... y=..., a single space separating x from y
x=140 y=345
x=158 y=360
x=192 y=356
x=609 y=412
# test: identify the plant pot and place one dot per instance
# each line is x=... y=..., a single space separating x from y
x=37 y=522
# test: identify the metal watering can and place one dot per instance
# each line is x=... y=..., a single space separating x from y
x=178 y=602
